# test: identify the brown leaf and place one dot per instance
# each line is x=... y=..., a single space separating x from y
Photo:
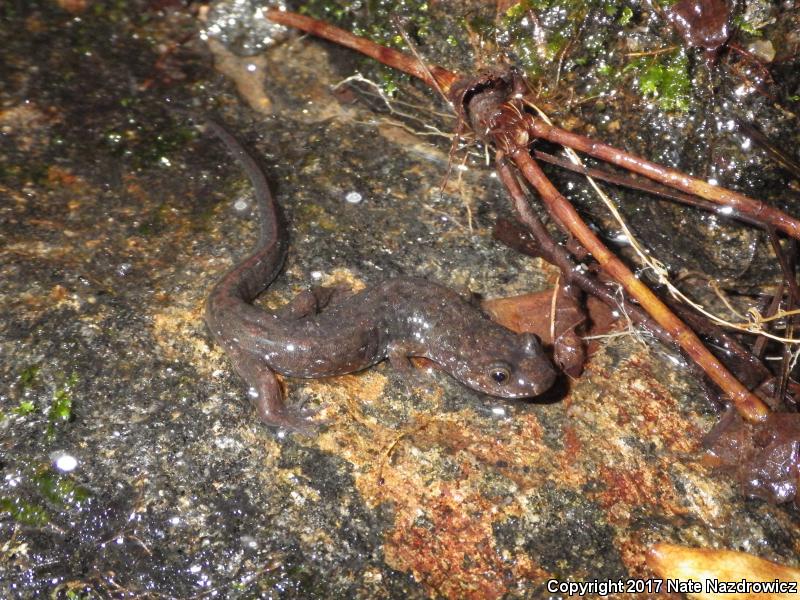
x=568 y=323
x=701 y=23
x=764 y=458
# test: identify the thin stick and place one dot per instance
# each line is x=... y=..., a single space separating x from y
x=432 y=75
x=670 y=177
x=643 y=185
x=789 y=276
x=653 y=52
x=778 y=155
x=747 y=403
x=413 y=48
x=774 y=305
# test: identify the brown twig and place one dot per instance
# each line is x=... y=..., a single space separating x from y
x=670 y=177
x=644 y=185
x=568 y=349
x=778 y=155
x=746 y=403
x=789 y=276
x=514 y=236
x=422 y=63
x=432 y=75
x=655 y=52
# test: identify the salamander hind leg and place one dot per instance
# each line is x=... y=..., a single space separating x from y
x=266 y=395
x=311 y=302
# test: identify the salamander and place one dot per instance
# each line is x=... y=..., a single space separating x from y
x=326 y=331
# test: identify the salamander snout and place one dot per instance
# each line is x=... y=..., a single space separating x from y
x=514 y=366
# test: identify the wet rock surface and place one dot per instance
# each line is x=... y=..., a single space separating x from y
x=131 y=461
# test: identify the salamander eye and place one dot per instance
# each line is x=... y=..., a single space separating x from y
x=500 y=374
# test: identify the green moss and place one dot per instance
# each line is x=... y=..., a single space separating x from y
x=24 y=513
x=25 y=407
x=61 y=407
x=59 y=489
x=48 y=489
x=754 y=29
x=605 y=70
x=666 y=80
x=559 y=24
x=390 y=83
x=515 y=28
x=626 y=16
x=26 y=379
x=555 y=45
x=517 y=11
x=61 y=404
x=28 y=375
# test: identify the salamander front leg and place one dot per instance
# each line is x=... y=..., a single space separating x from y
x=265 y=393
x=399 y=355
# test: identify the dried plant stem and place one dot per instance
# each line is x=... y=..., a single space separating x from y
x=434 y=76
x=670 y=177
x=544 y=246
x=643 y=185
x=747 y=403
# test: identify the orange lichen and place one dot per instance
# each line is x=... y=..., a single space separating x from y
x=626 y=490
x=451 y=549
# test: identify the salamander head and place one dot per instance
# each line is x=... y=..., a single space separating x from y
x=504 y=364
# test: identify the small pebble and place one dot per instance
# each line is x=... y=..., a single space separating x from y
x=763 y=50
x=64 y=462
x=353 y=197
